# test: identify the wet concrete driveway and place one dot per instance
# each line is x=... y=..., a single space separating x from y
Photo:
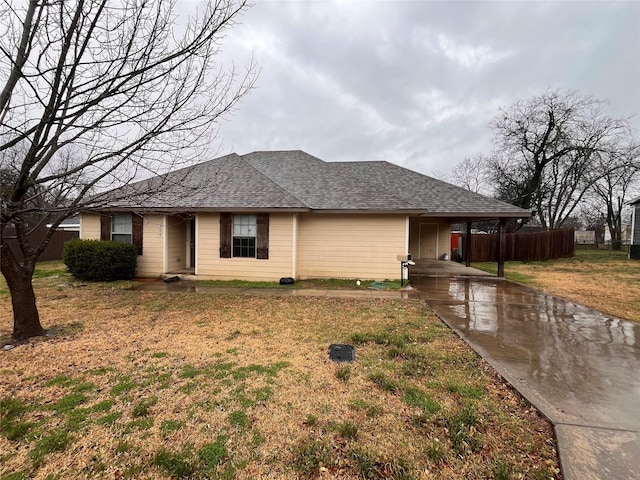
x=580 y=367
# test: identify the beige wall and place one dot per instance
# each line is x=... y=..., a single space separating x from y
x=351 y=246
x=329 y=246
x=151 y=262
x=436 y=237
x=278 y=265
x=89 y=226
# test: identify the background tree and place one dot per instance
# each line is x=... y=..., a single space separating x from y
x=473 y=174
x=95 y=94
x=545 y=150
x=593 y=220
x=619 y=166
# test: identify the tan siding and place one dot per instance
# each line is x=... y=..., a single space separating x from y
x=443 y=239
x=89 y=226
x=278 y=265
x=350 y=246
x=150 y=263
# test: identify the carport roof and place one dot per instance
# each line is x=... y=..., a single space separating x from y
x=297 y=181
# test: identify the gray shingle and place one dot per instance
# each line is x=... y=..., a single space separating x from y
x=320 y=186
x=224 y=183
x=296 y=180
x=424 y=192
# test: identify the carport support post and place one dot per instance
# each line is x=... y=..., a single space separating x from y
x=467 y=245
x=502 y=245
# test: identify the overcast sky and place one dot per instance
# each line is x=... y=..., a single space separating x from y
x=417 y=82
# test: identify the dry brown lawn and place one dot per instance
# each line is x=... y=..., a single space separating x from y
x=600 y=279
x=134 y=384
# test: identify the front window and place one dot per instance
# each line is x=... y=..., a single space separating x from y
x=244 y=236
x=121 y=230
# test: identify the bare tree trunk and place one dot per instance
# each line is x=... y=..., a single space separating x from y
x=26 y=320
x=123 y=89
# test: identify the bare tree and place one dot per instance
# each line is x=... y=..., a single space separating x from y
x=545 y=152
x=473 y=174
x=619 y=167
x=95 y=94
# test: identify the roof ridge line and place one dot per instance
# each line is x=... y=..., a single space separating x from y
x=280 y=187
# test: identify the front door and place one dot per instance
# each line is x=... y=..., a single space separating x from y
x=429 y=240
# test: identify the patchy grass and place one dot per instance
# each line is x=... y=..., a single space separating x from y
x=318 y=283
x=54 y=269
x=602 y=279
x=181 y=385
x=343 y=373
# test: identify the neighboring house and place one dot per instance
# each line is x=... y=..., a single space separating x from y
x=634 y=248
x=625 y=234
x=585 y=237
x=71 y=224
x=268 y=215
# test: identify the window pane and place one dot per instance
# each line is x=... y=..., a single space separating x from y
x=244 y=247
x=244 y=236
x=121 y=223
x=119 y=237
x=244 y=225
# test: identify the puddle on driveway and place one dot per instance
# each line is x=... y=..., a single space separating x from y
x=578 y=365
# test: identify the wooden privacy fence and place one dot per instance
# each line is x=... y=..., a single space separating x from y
x=527 y=247
x=53 y=250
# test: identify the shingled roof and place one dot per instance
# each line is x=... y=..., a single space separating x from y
x=297 y=181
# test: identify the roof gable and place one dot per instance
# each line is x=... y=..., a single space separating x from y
x=227 y=182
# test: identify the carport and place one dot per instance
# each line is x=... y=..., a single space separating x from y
x=429 y=231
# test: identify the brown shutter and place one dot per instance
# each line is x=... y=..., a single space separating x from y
x=226 y=221
x=262 y=219
x=136 y=231
x=105 y=227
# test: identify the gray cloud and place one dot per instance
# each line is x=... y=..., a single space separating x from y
x=417 y=83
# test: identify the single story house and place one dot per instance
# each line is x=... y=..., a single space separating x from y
x=273 y=214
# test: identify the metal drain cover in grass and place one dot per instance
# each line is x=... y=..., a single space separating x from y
x=342 y=353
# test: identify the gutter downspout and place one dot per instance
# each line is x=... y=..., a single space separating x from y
x=406 y=240
x=294 y=246
x=196 y=226
x=165 y=245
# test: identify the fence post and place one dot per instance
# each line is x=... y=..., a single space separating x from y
x=467 y=245
x=502 y=245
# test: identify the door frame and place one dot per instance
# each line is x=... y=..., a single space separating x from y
x=191 y=243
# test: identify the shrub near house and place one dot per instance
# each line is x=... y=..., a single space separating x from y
x=101 y=261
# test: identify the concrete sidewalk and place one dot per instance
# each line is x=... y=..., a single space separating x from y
x=579 y=367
